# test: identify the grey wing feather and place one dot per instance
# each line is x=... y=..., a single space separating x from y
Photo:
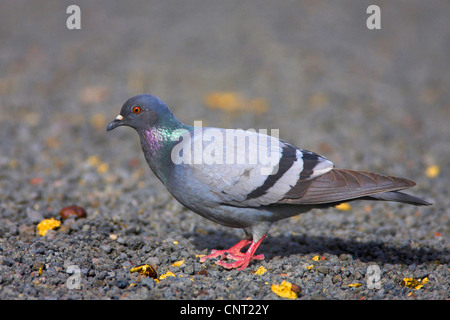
x=255 y=184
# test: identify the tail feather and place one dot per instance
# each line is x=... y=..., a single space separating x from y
x=342 y=185
x=398 y=196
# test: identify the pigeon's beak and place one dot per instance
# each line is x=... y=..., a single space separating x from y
x=118 y=121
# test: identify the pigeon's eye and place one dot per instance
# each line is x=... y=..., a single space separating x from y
x=136 y=109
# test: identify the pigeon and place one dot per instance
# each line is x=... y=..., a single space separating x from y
x=243 y=178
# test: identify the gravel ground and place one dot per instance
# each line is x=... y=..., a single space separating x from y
x=366 y=99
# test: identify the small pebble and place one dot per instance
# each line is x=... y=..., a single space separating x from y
x=77 y=211
x=106 y=248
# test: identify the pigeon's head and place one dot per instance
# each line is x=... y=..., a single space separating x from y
x=140 y=112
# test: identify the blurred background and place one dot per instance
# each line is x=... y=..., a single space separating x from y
x=366 y=99
x=375 y=100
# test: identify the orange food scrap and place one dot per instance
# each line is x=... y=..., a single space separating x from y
x=413 y=283
x=261 y=270
x=343 y=206
x=167 y=274
x=94 y=161
x=102 y=167
x=232 y=101
x=47 y=224
x=432 y=171
x=178 y=263
x=146 y=270
x=286 y=290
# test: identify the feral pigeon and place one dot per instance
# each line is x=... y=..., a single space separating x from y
x=245 y=179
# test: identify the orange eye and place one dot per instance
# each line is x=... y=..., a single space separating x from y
x=136 y=109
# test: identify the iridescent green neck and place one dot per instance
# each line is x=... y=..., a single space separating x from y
x=157 y=144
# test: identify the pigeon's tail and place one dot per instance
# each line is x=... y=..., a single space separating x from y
x=398 y=196
x=342 y=185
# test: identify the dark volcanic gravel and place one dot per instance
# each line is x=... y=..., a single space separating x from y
x=366 y=99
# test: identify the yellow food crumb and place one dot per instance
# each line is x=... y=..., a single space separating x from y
x=167 y=274
x=355 y=285
x=284 y=290
x=413 y=283
x=432 y=171
x=102 y=168
x=261 y=270
x=343 y=206
x=47 y=224
x=175 y=242
x=309 y=267
x=178 y=263
x=93 y=160
x=146 y=270
x=316 y=258
x=233 y=102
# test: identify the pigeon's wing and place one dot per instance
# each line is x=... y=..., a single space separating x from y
x=250 y=169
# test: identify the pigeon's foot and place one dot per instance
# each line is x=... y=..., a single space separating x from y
x=233 y=253
x=241 y=259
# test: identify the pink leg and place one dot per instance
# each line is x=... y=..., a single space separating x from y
x=234 y=251
x=242 y=259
